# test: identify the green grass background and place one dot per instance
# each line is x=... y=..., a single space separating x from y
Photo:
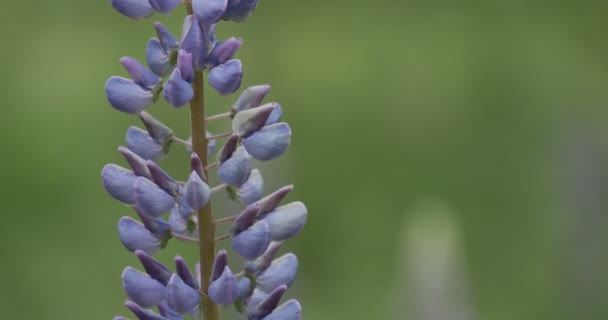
x=497 y=109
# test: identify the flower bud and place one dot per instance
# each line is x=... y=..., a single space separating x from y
x=223 y=51
x=155 y=128
x=269 y=143
x=165 y=6
x=157 y=58
x=140 y=142
x=139 y=73
x=119 y=183
x=209 y=11
x=236 y=170
x=196 y=192
x=226 y=78
x=177 y=91
x=228 y=149
x=251 y=97
x=281 y=271
x=224 y=290
x=286 y=221
x=180 y=296
x=270 y=202
x=249 y=121
x=290 y=310
x=245 y=219
x=141 y=313
x=196 y=165
x=166 y=39
x=142 y=289
x=185 y=66
x=158 y=227
x=184 y=273
x=255 y=299
x=219 y=263
x=241 y=10
x=162 y=179
x=137 y=163
x=275 y=116
x=125 y=95
x=194 y=42
x=266 y=306
x=251 y=191
x=150 y=199
x=155 y=269
x=135 y=236
x=265 y=260
x=134 y=9
x=252 y=243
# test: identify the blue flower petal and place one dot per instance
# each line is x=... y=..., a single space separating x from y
x=125 y=95
x=226 y=78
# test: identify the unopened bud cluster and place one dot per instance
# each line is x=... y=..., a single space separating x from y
x=166 y=208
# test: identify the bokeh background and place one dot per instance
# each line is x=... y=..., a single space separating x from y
x=453 y=156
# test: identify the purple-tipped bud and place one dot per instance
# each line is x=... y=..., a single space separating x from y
x=196 y=165
x=226 y=78
x=256 y=298
x=252 y=243
x=185 y=66
x=155 y=269
x=265 y=260
x=275 y=116
x=209 y=11
x=241 y=10
x=164 y=6
x=166 y=39
x=125 y=95
x=266 y=306
x=269 y=143
x=249 y=121
x=157 y=58
x=181 y=297
x=177 y=91
x=224 y=51
x=137 y=163
x=236 y=170
x=228 y=149
x=245 y=219
x=287 y=221
x=245 y=288
x=196 y=192
x=144 y=145
x=141 y=313
x=158 y=227
x=184 y=273
x=194 y=42
x=141 y=288
x=224 y=290
x=134 y=9
x=219 y=263
x=150 y=199
x=135 y=236
x=155 y=128
x=161 y=178
x=290 y=310
x=251 y=97
x=119 y=183
x=139 y=73
x=281 y=271
x=271 y=201
x=168 y=312
x=251 y=191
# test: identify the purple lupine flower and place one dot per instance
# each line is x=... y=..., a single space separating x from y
x=141 y=288
x=209 y=11
x=251 y=97
x=281 y=271
x=177 y=91
x=267 y=305
x=160 y=51
x=144 y=145
x=240 y=10
x=137 y=163
x=196 y=192
x=142 y=313
x=182 y=270
x=226 y=78
x=185 y=66
x=119 y=183
x=194 y=42
x=155 y=269
x=181 y=297
x=224 y=289
x=252 y=242
x=134 y=9
x=236 y=170
x=251 y=120
x=223 y=51
x=286 y=221
x=162 y=179
x=290 y=310
x=270 y=202
x=125 y=95
x=251 y=191
x=150 y=199
x=139 y=73
x=155 y=128
x=269 y=143
x=164 y=6
x=135 y=236
x=166 y=311
x=275 y=116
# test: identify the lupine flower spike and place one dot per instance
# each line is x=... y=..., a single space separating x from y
x=164 y=208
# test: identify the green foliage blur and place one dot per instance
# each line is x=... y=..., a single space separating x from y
x=496 y=110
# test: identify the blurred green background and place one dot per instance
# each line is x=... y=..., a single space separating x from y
x=453 y=156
